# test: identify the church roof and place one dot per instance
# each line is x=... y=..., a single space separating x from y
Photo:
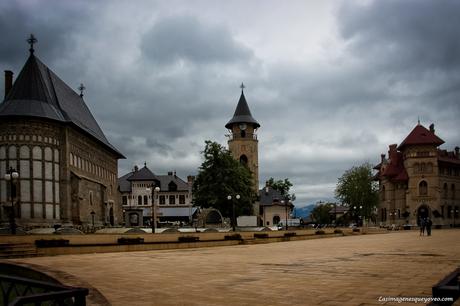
x=39 y=92
x=421 y=136
x=242 y=114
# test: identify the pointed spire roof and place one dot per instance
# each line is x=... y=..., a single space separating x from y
x=242 y=113
x=421 y=136
x=39 y=92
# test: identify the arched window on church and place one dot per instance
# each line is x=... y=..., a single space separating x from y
x=423 y=188
x=139 y=200
x=244 y=160
x=243 y=134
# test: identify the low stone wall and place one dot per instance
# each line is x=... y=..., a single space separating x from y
x=102 y=243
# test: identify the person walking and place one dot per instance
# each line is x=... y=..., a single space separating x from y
x=422 y=227
x=429 y=223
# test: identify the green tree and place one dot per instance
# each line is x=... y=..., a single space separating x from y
x=283 y=186
x=321 y=213
x=219 y=176
x=356 y=189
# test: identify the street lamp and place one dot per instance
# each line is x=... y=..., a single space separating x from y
x=286 y=203
x=454 y=212
x=155 y=190
x=12 y=176
x=229 y=197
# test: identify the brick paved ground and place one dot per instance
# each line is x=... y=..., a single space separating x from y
x=353 y=270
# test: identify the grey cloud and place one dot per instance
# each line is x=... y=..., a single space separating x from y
x=405 y=35
x=186 y=38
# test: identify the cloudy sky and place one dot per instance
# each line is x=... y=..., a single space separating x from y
x=332 y=83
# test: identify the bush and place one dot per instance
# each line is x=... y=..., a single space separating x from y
x=356 y=230
x=290 y=234
x=137 y=240
x=320 y=232
x=233 y=237
x=188 y=239
x=338 y=231
x=260 y=235
x=46 y=243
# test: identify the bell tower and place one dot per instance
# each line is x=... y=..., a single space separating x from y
x=243 y=143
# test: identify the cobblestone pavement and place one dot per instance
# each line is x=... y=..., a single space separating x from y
x=352 y=270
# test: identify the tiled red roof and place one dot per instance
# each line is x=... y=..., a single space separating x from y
x=420 y=136
x=395 y=170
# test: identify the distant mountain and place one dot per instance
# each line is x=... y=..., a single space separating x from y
x=303 y=212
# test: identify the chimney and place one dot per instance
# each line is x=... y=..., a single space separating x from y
x=382 y=158
x=8 y=81
x=432 y=128
x=170 y=173
x=136 y=168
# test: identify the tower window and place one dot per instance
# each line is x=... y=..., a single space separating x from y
x=243 y=134
x=244 y=160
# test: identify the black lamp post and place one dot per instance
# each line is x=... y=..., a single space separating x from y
x=454 y=212
x=233 y=209
x=11 y=176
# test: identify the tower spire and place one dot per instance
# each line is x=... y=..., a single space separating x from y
x=31 y=40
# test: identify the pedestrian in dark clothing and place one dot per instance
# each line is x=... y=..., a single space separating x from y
x=422 y=227
x=429 y=223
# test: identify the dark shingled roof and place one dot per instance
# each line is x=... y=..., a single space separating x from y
x=242 y=114
x=421 y=136
x=269 y=196
x=39 y=92
x=144 y=174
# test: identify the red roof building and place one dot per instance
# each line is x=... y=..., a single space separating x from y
x=419 y=180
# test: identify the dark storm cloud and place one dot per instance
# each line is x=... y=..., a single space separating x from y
x=52 y=24
x=413 y=35
x=186 y=38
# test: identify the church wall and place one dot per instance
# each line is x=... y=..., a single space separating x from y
x=44 y=152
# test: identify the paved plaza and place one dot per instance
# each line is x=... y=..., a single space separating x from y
x=351 y=270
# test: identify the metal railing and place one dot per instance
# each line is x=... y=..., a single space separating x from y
x=238 y=136
x=17 y=291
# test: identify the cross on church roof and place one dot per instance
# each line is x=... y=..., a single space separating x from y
x=32 y=40
x=242 y=87
x=81 y=88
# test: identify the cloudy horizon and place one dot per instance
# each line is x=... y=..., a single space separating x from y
x=332 y=83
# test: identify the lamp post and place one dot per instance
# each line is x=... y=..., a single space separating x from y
x=286 y=203
x=155 y=190
x=454 y=211
x=12 y=176
x=229 y=197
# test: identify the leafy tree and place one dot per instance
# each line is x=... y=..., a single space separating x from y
x=356 y=188
x=283 y=186
x=321 y=213
x=219 y=176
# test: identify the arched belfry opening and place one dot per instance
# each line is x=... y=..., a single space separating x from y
x=244 y=160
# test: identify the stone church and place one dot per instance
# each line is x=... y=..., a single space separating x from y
x=419 y=180
x=67 y=167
